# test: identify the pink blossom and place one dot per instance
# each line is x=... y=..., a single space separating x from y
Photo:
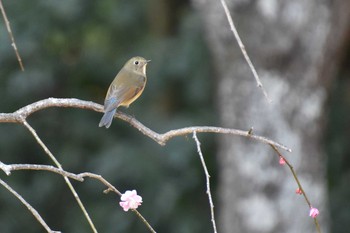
x=130 y=200
x=298 y=191
x=282 y=161
x=314 y=212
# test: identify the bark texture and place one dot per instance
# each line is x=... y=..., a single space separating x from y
x=286 y=41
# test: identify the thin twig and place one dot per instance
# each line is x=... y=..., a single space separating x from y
x=29 y=207
x=207 y=177
x=242 y=47
x=52 y=157
x=101 y=179
x=23 y=113
x=143 y=220
x=8 y=168
x=7 y=23
x=298 y=183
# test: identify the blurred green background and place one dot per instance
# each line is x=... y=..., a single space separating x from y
x=74 y=49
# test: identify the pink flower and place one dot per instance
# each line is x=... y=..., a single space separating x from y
x=282 y=161
x=314 y=212
x=298 y=191
x=130 y=200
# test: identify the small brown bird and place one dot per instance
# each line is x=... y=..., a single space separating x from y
x=126 y=87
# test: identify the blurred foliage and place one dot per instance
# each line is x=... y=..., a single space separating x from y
x=74 y=48
x=338 y=149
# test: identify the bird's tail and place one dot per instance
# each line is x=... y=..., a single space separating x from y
x=107 y=119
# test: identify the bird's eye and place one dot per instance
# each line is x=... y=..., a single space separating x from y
x=136 y=62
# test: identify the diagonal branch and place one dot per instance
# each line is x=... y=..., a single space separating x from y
x=7 y=22
x=29 y=207
x=20 y=115
x=207 y=177
x=244 y=51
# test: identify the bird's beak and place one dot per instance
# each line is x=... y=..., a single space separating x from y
x=148 y=61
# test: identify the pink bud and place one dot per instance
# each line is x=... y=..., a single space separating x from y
x=298 y=191
x=314 y=212
x=282 y=161
x=130 y=200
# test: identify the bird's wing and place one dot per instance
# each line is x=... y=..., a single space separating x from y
x=123 y=95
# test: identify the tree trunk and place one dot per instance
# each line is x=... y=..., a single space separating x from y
x=286 y=41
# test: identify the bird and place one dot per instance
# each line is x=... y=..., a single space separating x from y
x=126 y=87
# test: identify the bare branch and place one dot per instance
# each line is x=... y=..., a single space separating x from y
x=29 y=207
x=8 y=168
x=20 y=115
x=7 y=23
x=242 y=47
x=207 y=177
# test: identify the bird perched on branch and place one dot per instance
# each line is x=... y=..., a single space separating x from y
x=126 y=87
